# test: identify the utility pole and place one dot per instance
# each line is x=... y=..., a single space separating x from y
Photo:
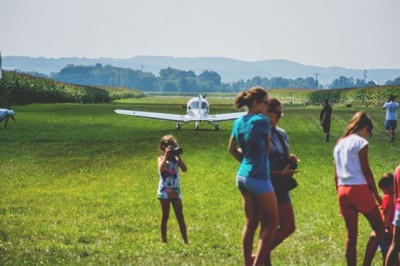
x=365 y=77
x=316 y=80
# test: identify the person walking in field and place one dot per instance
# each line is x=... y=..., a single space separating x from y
x=392 y=258
x=325 y=119
x=356 y=188
x=249 y=144
x=169 y=190
x=282 y=163
x=391 y=107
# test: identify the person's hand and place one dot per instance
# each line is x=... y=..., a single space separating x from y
x=293 y=158
x=167 y=151
x=287 y=171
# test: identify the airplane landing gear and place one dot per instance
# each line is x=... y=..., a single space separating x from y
x=217 y=128
x=197 y=125
x=178 y=126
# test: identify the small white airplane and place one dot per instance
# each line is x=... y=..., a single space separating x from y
x=5 y=114
x=196 y=111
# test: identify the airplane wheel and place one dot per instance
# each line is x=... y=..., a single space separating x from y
x=217 y=127
x=178 y=126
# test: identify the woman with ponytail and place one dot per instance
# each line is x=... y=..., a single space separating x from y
x=356 y=188
x=249 y=144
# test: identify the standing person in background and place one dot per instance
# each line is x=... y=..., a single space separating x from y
x=281 y=164
x=391 y=107
x=325 y=119
x=392 y=257
x=169 y=188
x=249 y=144
x=356 y=188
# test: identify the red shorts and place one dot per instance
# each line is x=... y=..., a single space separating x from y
x=355 y=199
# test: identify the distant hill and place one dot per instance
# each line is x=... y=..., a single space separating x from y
x=230 y=70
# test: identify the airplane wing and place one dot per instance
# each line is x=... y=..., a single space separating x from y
x=224 y=117
x=159 y=116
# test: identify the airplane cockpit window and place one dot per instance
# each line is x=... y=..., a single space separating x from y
x=194 y=105
x=204 y=105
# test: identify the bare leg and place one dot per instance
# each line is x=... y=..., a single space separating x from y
x=378 y=230
x=351 y=239
x=178 y=208
x=286 y=226
x=251 y=223
x=393 y=253
x=268 y=215
x=164 y=218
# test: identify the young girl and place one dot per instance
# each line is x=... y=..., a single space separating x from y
x=392 y=257
x=386 y=184
x=356 y=188
x=169 y=191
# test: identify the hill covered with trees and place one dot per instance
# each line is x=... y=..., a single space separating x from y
x=169 y=79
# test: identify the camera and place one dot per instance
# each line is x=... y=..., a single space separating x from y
x=292 y=166
x=176 y=150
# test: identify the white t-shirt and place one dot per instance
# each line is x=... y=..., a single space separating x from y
x=391 y=110
x=347 y=160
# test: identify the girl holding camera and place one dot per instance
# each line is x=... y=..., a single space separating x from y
x=169 y=191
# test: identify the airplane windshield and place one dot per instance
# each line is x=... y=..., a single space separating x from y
x=195 y=105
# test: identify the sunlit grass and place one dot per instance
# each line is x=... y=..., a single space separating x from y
x=78 y=187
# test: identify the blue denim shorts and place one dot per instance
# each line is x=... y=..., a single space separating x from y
x=396 y=220
x=253 y=185
x=283 y=197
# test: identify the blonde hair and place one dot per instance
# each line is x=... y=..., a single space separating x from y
x=245 y=98
x=357 y=122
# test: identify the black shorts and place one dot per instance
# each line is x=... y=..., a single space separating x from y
x=326 y=128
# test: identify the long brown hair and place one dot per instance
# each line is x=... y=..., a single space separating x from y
x=245 y=98
x=359 y=120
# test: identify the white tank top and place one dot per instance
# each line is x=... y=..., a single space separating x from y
x=347 y=160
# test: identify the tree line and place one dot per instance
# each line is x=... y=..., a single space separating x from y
x=169 y=79
x=175 y=80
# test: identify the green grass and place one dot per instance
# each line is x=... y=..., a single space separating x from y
x=78 y=187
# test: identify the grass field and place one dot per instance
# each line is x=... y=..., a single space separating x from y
x=78 y=187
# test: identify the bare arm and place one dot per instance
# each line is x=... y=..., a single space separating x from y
x=336 y=177
x=161 y=163
x=181 y=164
x=363 y=155
x=162 y=159
x=233 y=149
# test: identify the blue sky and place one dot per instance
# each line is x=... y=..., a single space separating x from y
x=361 y=34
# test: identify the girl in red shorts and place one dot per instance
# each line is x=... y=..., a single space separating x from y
x=357 y=192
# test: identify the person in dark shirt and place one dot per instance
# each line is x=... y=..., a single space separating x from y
x=325 y=119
